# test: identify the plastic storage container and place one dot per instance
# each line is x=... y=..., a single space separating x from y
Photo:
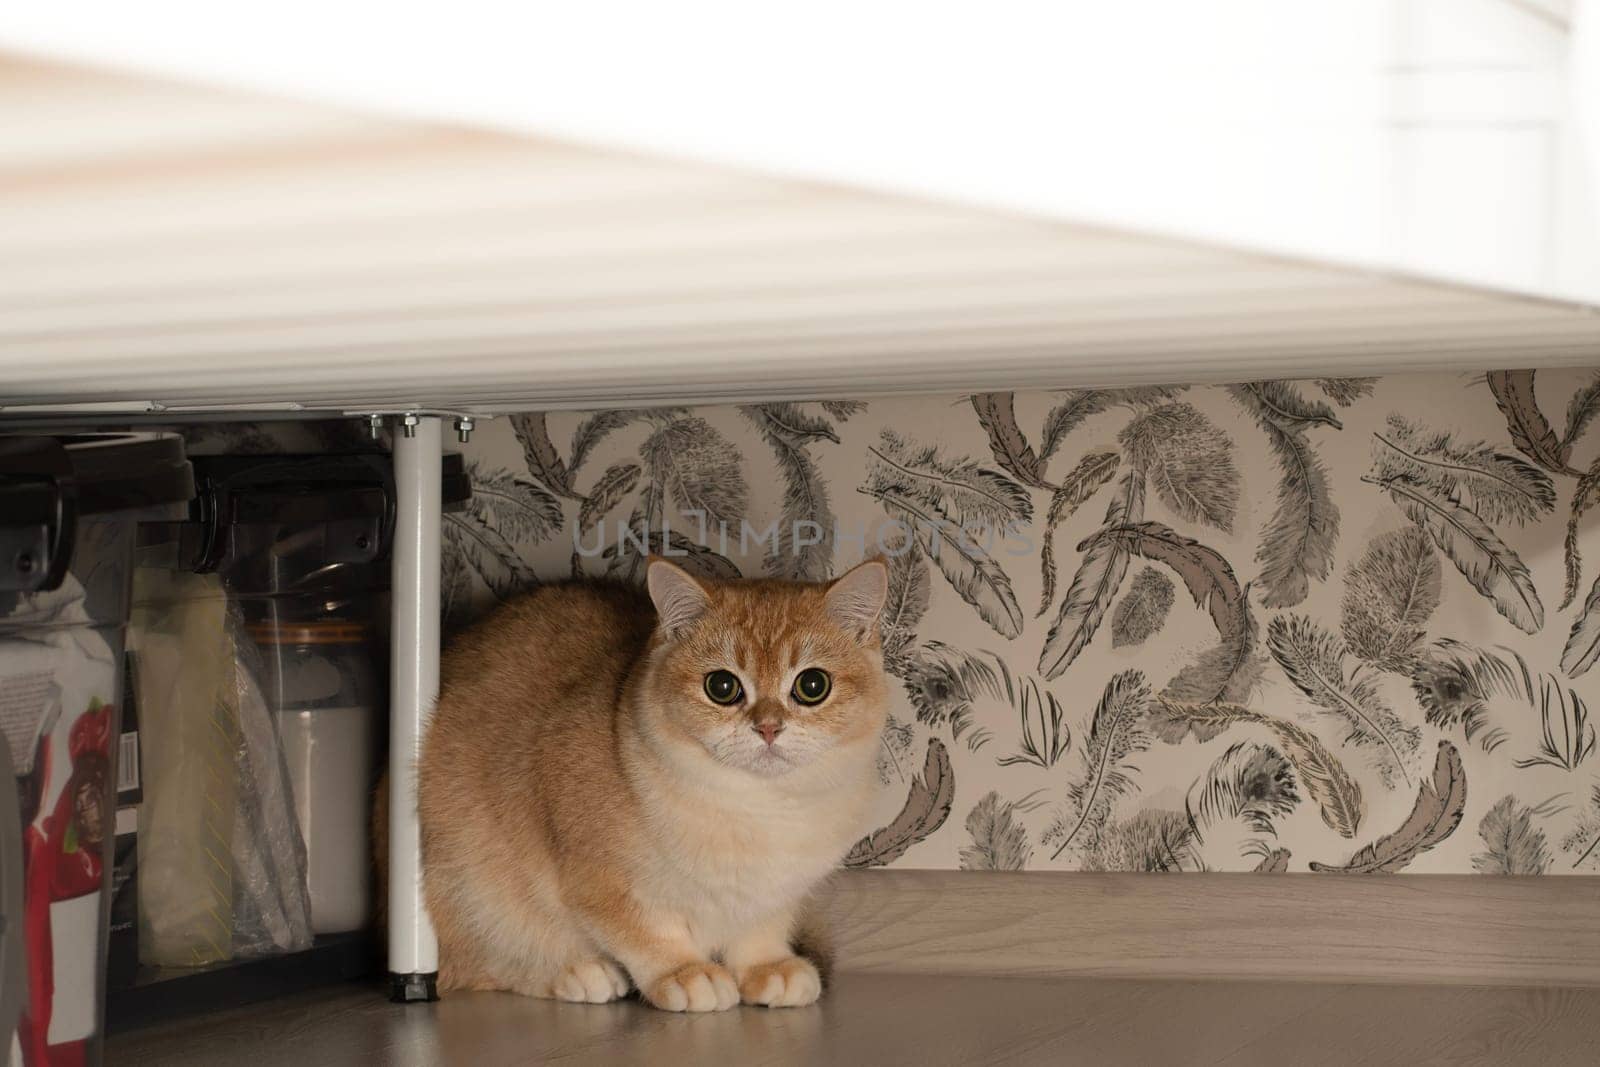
x=321 y=682
x=300 y=544
x=69 y=508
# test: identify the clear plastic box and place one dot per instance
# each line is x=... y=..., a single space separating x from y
x=299 y=547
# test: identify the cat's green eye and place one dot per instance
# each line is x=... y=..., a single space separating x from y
x=723 y=687
x=812 y=685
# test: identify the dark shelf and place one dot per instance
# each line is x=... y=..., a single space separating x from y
x=158 y=994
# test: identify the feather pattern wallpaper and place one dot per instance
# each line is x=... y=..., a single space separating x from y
x=1345 y=625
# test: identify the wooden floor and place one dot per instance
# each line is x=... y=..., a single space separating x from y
x=913 y=1019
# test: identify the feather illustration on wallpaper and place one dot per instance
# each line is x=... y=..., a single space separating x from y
x=1344 y=625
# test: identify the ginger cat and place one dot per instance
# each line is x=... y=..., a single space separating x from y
x=612 y=795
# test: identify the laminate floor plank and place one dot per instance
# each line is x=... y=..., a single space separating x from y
x=886 y=1019
x=1372 y=1025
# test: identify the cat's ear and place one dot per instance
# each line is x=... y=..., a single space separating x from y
x=679 y=598
x=855 y=598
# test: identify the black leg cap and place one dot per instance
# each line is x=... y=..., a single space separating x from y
x=410 y=988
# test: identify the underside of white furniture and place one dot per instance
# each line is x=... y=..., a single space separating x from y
x=169 y=248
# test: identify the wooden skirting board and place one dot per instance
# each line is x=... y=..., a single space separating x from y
x=1462 y=929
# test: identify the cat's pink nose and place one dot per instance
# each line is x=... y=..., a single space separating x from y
x=769 y=731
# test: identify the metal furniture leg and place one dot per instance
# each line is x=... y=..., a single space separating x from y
x=414 y=688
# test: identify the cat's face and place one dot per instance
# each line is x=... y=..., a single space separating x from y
x=768 y=677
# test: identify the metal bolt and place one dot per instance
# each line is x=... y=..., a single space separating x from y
x=464 y=428
x=375 y=426
x=408 y=425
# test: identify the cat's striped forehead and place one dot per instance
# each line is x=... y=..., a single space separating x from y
x=762 y=627
x=765 y=631
x=754 y=656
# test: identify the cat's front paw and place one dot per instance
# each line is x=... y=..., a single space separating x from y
x=786 y=983
x=694 y=987
x=594 y=981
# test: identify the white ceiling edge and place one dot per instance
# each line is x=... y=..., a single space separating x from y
x=1449 y=139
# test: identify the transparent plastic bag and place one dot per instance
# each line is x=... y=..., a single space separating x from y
x=222 y=867
x=187 y=736
x=271 y=900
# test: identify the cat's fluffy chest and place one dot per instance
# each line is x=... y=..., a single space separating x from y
x=729 y=861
